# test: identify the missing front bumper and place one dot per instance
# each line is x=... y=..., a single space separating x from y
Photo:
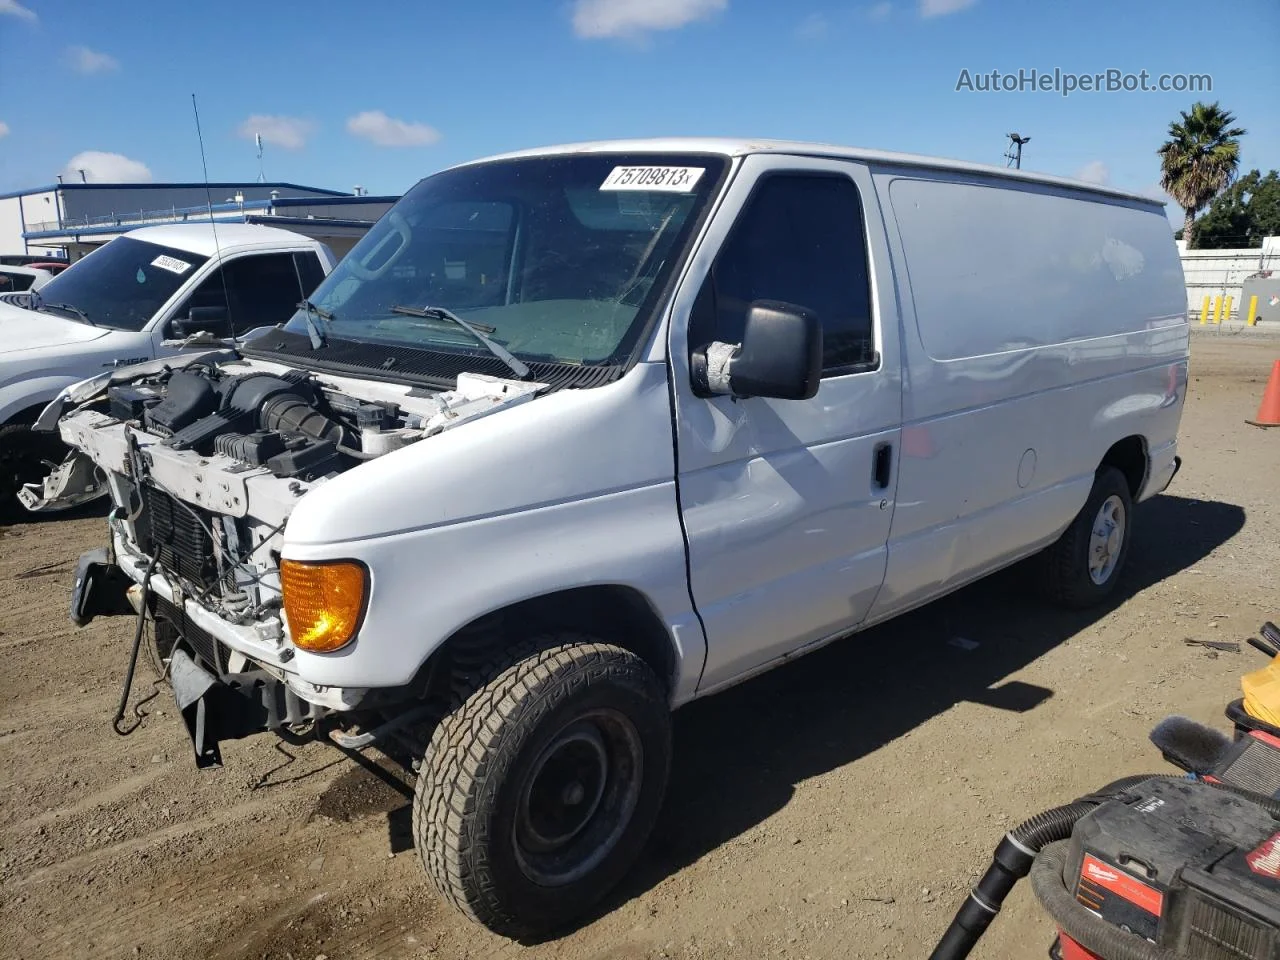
x=232 y=706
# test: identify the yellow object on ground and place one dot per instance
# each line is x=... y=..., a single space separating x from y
x=1262 y=693
x=1253 y=310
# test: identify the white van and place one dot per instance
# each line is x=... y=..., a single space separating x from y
x=575 y=436
x=135 y=298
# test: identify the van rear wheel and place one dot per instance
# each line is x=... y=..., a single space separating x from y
x=539 y=790
x=1081 y=569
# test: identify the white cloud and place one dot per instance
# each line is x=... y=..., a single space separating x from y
x=880 y=11
x=376 y=127
x=13 y=8
x=595 y=19
x=100 y=167
x=1095 y=171
x=4 y=129
x=84 y=60
x=812 y=27
x=941 y=8
x=288 y=132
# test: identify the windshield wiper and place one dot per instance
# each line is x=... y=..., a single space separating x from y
x=38 y=303
x=309 y=313
x=497 y=349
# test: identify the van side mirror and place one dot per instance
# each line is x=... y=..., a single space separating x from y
x=780 y=356
x=211 y=319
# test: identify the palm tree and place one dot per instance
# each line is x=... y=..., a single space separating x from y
x=1199 y=160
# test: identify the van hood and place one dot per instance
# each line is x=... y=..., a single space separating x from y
x=28 y=330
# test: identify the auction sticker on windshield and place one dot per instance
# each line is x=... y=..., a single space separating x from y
x=172 y=264
x=668 y=179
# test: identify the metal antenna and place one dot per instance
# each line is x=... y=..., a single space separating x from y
x=217 y=248
x=1014 y=153
x=262 y=177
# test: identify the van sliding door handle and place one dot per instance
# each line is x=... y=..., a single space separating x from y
x=882 y=469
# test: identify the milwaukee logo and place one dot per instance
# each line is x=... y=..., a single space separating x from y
x=1266 y=859
x=1095 y=872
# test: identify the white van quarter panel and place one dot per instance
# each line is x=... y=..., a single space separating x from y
x=1006 y=269
x=1040 y=328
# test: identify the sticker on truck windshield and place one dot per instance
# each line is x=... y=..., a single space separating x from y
x=172 y=264
x=666 y=179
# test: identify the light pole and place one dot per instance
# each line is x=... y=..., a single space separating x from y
x=1014 y=154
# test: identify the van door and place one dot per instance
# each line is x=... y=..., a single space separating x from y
x=787 y=504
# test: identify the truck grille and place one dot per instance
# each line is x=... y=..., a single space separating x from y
x=171 y=532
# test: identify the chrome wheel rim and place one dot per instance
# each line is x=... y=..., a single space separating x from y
x=1106 y=540
x=578 y=797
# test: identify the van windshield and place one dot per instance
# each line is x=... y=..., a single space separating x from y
x=556 y=258
x=121 y=284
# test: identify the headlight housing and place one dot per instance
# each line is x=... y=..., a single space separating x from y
x=324 y=602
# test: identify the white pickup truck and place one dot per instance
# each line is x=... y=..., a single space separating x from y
x=573 y=437
x=136 y=298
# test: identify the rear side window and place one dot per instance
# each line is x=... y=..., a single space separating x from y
x=310 y=273
x=10 y=282
x=800 y=239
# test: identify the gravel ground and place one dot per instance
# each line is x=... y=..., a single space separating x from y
x=837 y=807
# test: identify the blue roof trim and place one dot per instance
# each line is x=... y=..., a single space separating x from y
x=73 y=232
x=219 y=185
x=323 y=201
x=307 y=222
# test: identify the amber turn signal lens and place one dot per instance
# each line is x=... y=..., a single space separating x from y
x=323 y=602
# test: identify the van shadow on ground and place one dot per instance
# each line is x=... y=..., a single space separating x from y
x=739 y=755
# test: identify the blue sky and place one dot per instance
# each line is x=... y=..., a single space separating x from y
x=383 y=93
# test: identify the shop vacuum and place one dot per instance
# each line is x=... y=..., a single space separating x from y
x=1158 y=867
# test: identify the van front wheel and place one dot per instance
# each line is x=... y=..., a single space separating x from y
x=1083 y=566
x=539 y=789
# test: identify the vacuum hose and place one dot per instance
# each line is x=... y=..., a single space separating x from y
x=1012 y=861
x=1024 y=850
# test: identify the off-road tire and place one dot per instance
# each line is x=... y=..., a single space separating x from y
x=23 y=457
x=483 y=757
x=1063 y=569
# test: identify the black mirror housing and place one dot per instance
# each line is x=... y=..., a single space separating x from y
x=780 y=356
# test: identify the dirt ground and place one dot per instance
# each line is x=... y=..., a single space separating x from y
x=838 y=807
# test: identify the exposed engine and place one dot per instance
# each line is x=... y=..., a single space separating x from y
x=205 y=459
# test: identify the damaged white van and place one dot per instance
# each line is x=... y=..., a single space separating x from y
x=575 y=436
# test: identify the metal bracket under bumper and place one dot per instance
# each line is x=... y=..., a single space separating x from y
x=232 y=706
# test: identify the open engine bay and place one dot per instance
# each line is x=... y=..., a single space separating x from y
x=206 y=459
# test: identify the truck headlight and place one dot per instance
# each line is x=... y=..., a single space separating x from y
x=324 y=602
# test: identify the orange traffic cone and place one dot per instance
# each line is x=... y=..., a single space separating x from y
x=1269 y=409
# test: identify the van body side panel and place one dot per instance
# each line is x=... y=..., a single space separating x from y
x=569 y=490
x=1040 y=327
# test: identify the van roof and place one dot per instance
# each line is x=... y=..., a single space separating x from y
x=739 y=148
x=200 y=237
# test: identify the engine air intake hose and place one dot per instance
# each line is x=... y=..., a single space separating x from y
x=289 y=413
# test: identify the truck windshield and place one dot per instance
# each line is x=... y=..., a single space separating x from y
x=123 y=283
x=555 y=258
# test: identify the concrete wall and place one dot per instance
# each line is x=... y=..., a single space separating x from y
x=1220 y=273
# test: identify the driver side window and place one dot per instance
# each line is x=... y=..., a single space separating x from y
x=259 y=291
x=799 y=239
